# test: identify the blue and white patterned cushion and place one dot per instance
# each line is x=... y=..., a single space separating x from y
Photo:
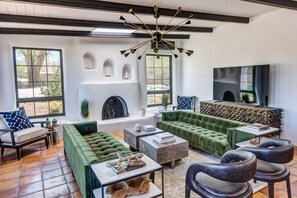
x=184 y=102
x=17 y=120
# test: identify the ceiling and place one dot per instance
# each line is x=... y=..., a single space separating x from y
x=224 y=7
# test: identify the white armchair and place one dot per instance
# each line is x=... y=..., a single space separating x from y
x=10 y=138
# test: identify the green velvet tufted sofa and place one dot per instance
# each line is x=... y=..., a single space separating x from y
x=208 y=133
x=85 y=146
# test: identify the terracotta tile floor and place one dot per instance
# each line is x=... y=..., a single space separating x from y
x=46 y=173
x=40 y=173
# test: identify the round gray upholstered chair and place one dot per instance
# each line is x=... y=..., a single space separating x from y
x=227 y=179
x=271 y=155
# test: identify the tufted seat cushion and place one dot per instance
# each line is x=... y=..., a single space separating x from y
x=220 y=188
x=104 y=145
x=24 y=134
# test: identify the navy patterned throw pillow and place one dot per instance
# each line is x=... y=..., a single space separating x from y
x=184 y=102
x=17 y=120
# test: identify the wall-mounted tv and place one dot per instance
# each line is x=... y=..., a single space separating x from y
x=248 y=84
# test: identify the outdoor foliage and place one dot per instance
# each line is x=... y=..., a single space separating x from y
x=54 y=87
x=164 y=100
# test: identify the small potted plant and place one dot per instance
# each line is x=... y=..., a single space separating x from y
x=84 y=108
x=164 y=101
x=245 y=98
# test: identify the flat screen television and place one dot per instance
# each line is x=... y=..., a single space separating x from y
x=248 y=84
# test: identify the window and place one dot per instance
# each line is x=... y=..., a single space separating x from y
x=158 y=78
x=39 y=81
x=247 y=84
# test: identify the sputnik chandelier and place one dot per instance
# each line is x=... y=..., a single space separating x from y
x=157 y=35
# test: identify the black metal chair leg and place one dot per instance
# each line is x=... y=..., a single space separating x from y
x=65 y=154
x=288 y=187
x=46 y=142
x=2 y=151
x=152 y=177
x=271 y=190
x=18 y=152
x=188 y=191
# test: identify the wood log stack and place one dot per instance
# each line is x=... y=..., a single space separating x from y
x=243 y=112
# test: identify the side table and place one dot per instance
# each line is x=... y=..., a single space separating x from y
x=53 y=134
x=106 y=176
x=256 y=133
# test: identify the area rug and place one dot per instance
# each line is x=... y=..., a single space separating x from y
x=174 y=179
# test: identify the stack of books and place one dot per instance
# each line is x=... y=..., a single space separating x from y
x=257 y=126
x=163 y=138
x=148 y=128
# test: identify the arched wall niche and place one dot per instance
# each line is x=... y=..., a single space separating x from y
x=89 y=61
x=108 y=68
x=126 y=72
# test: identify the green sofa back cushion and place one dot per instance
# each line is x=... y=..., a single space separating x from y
x=208 y=122
x=172 y=116
x=85 y=128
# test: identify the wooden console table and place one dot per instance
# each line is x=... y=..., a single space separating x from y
x=243 y=112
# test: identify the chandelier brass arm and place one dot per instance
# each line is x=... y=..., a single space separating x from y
x=133 y=49
x=133 y=13
x=179 y=10
x=126 y=22
x=179 y=25
x=180 y=49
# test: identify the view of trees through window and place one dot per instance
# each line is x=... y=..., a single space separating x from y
x=39 y=83
x=158 y=78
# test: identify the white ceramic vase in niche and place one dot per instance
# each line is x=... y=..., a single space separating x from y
x=141 y=112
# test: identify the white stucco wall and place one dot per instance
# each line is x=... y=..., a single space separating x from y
x=73 y=49
x=267 y=39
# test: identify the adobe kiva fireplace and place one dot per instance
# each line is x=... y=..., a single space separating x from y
x=114 y=107
x=229 y=96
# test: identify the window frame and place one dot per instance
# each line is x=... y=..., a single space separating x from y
x=170 y=80
x=253 y=92
x=40 y=99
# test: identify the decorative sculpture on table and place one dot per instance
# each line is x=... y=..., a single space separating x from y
x=134 y=186
x=138 y=127
x=127 y=163
x=126 y=159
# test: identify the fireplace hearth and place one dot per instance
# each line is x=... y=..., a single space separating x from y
x=114 y=107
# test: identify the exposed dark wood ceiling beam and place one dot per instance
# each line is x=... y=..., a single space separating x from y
x=288 y=4
x=85 y=23
x=83 y=33
x=120 y=7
